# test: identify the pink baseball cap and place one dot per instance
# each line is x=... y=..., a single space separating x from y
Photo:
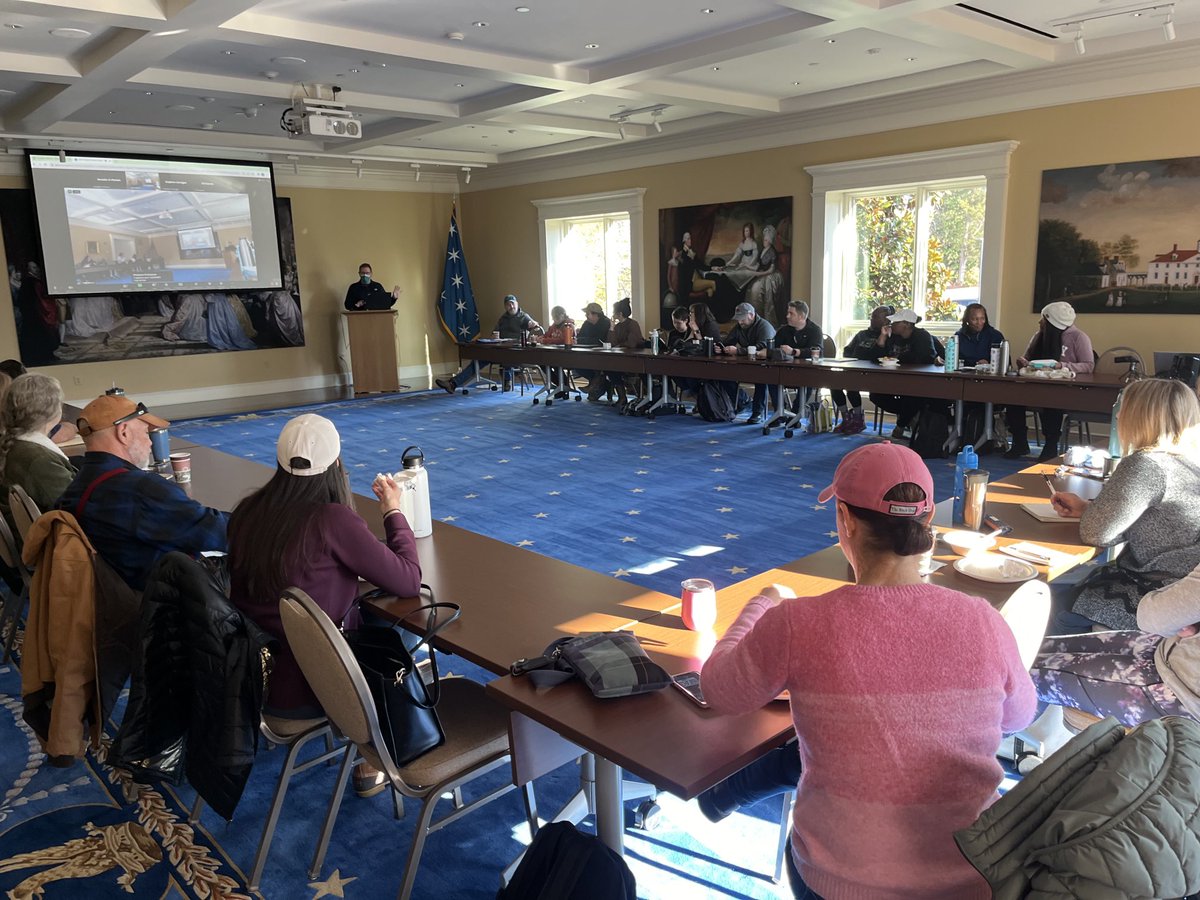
x=865 y=475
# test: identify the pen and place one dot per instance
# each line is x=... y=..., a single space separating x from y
x=1050 y=484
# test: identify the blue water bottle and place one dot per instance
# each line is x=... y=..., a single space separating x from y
x=967 y=459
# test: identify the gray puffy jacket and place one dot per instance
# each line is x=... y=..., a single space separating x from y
x=1110 y=816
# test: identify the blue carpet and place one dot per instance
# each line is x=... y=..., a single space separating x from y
x=652 y=502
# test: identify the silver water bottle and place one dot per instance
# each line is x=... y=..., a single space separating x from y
x=654 y=342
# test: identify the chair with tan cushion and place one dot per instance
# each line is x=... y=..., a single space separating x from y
x=476 y=728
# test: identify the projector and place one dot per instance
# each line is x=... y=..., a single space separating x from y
x=327 y=124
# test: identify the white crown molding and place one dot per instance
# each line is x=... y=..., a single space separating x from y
x=1174 y=67
x=973 y=161
x=342 y=179
x=589 y=204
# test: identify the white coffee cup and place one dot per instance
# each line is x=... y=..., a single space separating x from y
x=606 y=345
x=751 y=350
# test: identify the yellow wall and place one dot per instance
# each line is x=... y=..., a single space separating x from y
x=1128 y=128
x=403 y=235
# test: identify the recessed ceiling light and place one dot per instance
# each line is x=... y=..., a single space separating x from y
x=290 y=60
x=831 y=40
x=354 y=71
x=6 y=91
x=581 y=101
x=708 y=10
x=716 y=68
x=910 y=59
x=522 y=9
x=13 y=25
x=173 y=31
x=591 y=46
x=112 y=112
x=1137 y=15
x=70 y=32
x=270 y=74
x=228 y=52
x=208 y=126
x=795 y=84
x=209 y=99
x=459 y=84
x=148 y=93
x=480 y=24
x=181 y=106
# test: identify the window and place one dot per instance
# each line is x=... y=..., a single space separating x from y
x=922 y=230
x=591 y=251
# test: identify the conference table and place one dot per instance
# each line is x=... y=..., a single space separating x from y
x=516 y=602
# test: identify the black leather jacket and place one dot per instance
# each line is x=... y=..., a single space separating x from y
x=197 y=685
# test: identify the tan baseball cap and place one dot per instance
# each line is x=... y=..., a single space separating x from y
x=108 y=410
x=308 y=445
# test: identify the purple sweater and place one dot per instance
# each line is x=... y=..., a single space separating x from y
x=900 y=696
x=1077 y=350
x=331 y=579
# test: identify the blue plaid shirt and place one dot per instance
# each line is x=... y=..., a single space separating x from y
x=135 y=517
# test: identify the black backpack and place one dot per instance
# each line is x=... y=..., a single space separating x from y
x=562 y=863
x=930 y=434
x=717 y=401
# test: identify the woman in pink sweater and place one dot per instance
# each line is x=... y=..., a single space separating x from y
x=900 y=694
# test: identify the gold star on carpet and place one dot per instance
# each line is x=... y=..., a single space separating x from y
x=488 y=477
x=518 y=447
x=332 y=886
x=448 y=450
x=633 y=512
x=721 y=487
x=449 y=518
x=637 y=490
x=795 y=468
x=524 y=543
x=787 y=452
x=737 y=570
x=715 y=455
x=642 y=472
x=565 y=474
x=817 y=507
x=831 y=534
x=589 y=433
x=582 y=446
x=502 y=461
x=628 y=540
x=620 y=573
x=730 y=537
x=718 y=469
x=713 y=442
x=573 y=459
x=645 y=456
x=541 y=515
x=808 y=486
x=470 y=496
x=724 y=509
x=553 y=493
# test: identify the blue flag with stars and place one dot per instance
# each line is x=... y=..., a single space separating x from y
x=456 y=306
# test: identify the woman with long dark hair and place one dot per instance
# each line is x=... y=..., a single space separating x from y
x=881 y=673
x=1059 y=340
x=704 y=324
x=300 y=530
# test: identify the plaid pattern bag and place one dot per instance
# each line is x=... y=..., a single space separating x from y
x=610 y=663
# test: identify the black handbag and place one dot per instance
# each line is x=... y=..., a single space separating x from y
x=405 y=705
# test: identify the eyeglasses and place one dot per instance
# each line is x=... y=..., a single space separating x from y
x=139 y=411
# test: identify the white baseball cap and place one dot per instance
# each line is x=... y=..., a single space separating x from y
x=905 y=315
x=308 y=445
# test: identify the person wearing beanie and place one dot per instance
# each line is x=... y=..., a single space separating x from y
x=1056 y=339
x=131 y=515
x=301 y=530
x=880 y=673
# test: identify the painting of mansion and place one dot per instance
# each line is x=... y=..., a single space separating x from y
x=1178 y=268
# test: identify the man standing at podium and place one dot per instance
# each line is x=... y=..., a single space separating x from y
x=368 y=294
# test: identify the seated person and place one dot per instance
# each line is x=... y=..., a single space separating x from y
x=1057 y=339
x=681 y=331
x=703 y=323
x=1132 y=676
x=300 y=529
x=873 y=689
x=1149 y=504
x=977 y=337
x=863 y=345
x=750 y=330
x=592 y=333
x=797 y=338
x=131 y=515
x=511 y=325
x=31 y=408
x=901 y=339
x=62 y=432
x=561 y=331
x=625 y=333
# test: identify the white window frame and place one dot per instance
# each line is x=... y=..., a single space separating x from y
x=835 y=186
x=627 y=202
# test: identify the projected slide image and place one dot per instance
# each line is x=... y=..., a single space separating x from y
x=197 y=239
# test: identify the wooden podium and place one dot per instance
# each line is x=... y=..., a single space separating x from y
x=373 y=365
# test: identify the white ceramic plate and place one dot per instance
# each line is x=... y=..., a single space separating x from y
x=964 y=542
x=889 y=365
x=995 y=568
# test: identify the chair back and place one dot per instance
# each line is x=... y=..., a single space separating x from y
x=1027 y=613
x=828 y=348
x=11 y=554
x=24 y=511
x=1107 y=364
x=333 y=673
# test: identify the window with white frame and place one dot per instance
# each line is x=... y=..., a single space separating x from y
x=923 y=230
x=591 y=251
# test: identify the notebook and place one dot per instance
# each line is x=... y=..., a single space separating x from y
x=1044 y=512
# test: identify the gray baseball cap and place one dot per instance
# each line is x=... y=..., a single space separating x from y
x=743 y=311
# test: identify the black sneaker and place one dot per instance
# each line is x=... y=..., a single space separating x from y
x=715 y=805
x=1017 y=451
x=899 y=433
x=445 y=384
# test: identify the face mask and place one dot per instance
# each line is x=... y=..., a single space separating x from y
x=365 y=279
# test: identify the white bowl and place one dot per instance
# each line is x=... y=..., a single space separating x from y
x=889 y=363
x=964 y=542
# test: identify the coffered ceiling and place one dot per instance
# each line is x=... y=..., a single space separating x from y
x=489 y=85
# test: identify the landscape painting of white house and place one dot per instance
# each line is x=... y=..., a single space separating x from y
x=1121 y=238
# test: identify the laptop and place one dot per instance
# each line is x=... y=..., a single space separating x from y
x=1164 y=359
x=1187 y=371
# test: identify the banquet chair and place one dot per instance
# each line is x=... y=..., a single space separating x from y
x=1129 y=369
x=476 y=730
x=14 y=602
x=24 y=511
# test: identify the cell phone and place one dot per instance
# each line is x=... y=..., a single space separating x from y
x=689 y=683
x=992 y=522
